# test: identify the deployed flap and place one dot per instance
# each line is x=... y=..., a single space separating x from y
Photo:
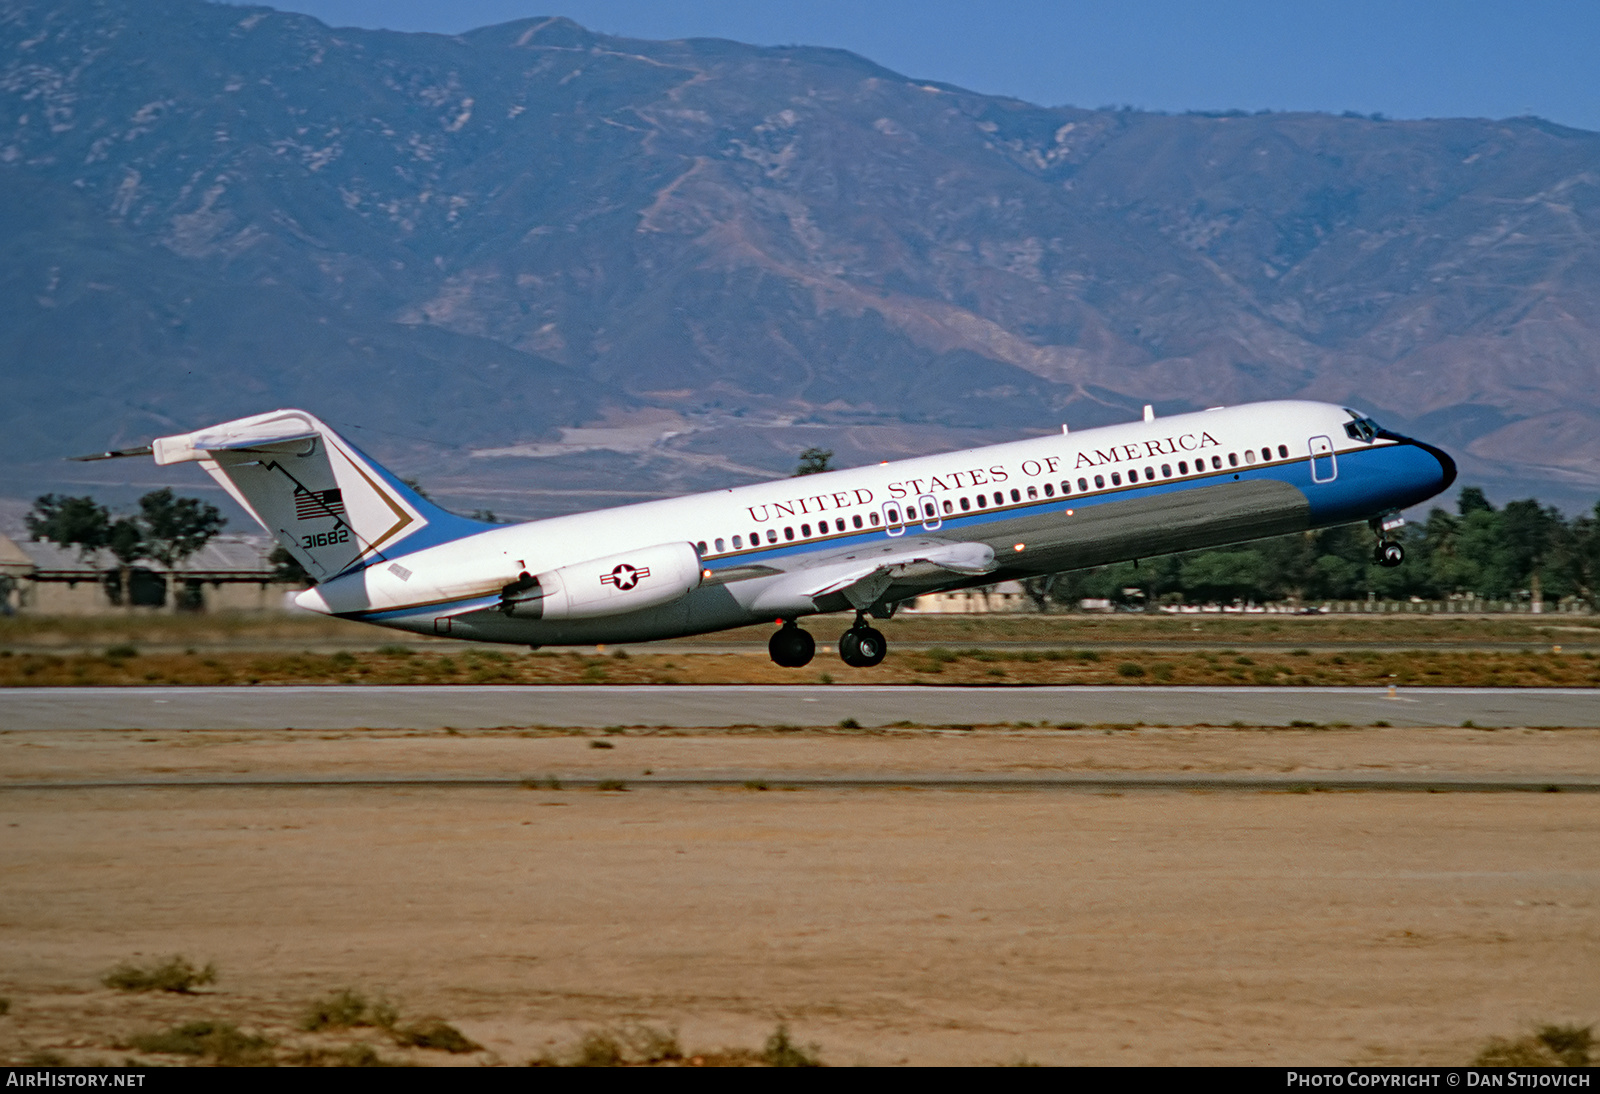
x=862 y=575
x=325 y=503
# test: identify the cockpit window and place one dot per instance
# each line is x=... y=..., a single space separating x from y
x=1360 y=429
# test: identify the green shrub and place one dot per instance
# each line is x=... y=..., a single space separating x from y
x=176 y=975
x=220 y=1041
x=1130 y=668
x=599 y=1048
x=652 y=1046
x=348 y=1056
x=437 y=1034
x=347 y=1009
x=780 y=1051
x=1550 y=1046
x=619 y=1047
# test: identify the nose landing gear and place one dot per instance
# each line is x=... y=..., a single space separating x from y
x=1387 y=552
x=861 y=646
x=790 y=647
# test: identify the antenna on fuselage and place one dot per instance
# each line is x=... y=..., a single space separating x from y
x=1149 y=413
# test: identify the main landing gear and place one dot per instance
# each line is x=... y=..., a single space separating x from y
x=859 y=647
x=790 y=646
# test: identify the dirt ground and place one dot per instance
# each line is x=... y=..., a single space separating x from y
x=924 y=926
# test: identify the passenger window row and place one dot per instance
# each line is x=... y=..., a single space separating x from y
x=822 y=529
x=982 y=501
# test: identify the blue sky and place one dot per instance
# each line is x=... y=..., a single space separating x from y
x=1403 y=58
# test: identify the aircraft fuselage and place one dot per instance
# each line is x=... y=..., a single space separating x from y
x=799 y=546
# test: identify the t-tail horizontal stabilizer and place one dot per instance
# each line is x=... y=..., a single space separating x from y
x=330 y=507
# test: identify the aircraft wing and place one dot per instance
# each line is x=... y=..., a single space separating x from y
x=863 y=574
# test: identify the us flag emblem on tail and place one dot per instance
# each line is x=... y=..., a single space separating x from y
x=316 y=504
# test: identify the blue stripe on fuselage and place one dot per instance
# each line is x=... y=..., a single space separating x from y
x=1369 y=481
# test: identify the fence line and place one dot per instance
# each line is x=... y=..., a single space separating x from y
x=1374 y=606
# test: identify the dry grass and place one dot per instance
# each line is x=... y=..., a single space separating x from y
x=973 y=665
x=149 y=630
x=1555 y=650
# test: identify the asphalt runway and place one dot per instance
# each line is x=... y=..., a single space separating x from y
x=599 y=706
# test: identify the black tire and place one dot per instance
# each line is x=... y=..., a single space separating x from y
x=850 y=650
x=871 y=645
x=862 y=647
x=1391 y=554
x=791 y=647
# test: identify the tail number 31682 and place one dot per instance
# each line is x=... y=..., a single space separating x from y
x=326 y=539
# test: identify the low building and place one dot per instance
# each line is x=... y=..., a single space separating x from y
x=1005 y=597
x=231 y=573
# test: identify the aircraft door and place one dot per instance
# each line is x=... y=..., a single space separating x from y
x=931 y=520
x=891 y=519
x=1324 y=464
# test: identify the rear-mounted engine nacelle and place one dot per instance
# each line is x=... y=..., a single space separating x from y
x=614 y=585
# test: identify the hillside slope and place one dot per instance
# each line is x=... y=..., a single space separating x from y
x=712 y=255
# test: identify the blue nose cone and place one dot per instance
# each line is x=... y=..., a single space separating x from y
x=1428 y=470
x=1447 y=467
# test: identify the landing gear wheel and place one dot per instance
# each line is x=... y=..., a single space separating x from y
x=862 y=647
x=1389 y=554
x=791 y=647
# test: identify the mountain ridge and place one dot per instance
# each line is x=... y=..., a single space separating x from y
x=493 y=237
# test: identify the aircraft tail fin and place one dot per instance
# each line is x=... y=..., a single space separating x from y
x=325 y=502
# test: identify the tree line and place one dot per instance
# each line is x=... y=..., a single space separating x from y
x=166 y=529
x=1523 y=551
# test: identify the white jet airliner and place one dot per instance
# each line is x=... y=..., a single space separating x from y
x=864 y=540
